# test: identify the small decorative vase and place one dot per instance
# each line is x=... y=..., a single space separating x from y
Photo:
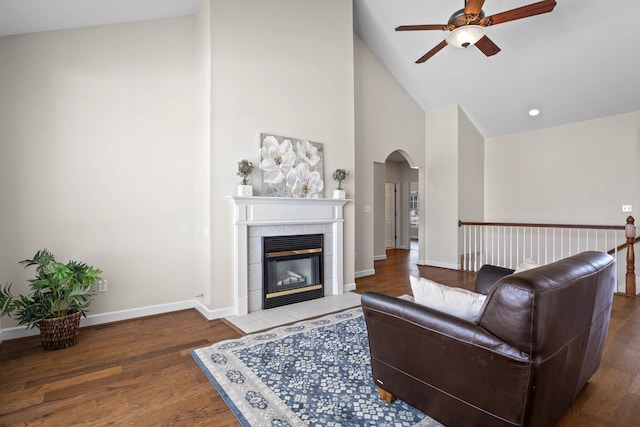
x=339 y=194
x=245 y=190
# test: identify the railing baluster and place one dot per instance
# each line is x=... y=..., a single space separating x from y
x=464 y=247
x=517 y=245
x=504 y=246
x=492 y=235
x=531 y=245
x=538 y=257
x=510 y=247
x=485 y=251
x=545 y=246
x=475 y=249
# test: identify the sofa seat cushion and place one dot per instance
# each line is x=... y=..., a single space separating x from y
x=455 y=301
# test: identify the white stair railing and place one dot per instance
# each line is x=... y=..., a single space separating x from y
x=509 y=244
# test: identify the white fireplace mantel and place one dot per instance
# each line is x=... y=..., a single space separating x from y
x=284 y=211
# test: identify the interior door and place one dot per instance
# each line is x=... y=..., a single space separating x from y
x=414 y=211
x=390 y=214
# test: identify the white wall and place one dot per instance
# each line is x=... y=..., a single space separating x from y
x=283 y=67
x=579 y=173
x=96 y=145
x=202 y=158
x=441 y=193
x=454 y=183
x=387 y=119
x=471 y=170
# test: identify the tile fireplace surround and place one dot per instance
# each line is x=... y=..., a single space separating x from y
x=255 y=217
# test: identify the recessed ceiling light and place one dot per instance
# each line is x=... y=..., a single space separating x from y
x=534 y=112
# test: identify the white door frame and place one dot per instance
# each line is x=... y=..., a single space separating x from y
x=396 y=217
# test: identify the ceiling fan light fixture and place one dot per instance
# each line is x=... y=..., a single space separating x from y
x=465 y=36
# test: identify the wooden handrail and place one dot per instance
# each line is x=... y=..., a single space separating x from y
x=522 y=224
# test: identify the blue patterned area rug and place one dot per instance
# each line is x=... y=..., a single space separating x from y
x=316 y=372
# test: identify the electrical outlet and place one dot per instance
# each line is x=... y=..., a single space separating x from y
x=627 y=208
x=102 y=286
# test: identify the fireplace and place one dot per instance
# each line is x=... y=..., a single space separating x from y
x=257 y=217
x=292 y=269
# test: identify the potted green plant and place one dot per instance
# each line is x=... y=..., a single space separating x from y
x=339 y=175
x=60 y=294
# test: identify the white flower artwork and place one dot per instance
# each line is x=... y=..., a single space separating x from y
x=291 y=167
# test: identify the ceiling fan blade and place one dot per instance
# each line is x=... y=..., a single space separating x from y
x=538 y=8
x=487 y=46
x=421 y=27
x=432 y=52
x=473 y=7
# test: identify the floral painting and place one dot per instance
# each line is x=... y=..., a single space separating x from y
x=291 y=167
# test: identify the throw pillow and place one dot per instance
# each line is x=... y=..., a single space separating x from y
x=527 y=264
x=456 y=301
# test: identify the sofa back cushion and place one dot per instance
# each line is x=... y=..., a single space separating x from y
x=539 y=311
x=455 y=301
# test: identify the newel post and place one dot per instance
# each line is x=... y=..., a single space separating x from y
x=630 y=234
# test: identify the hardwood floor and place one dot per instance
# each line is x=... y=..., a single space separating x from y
x=139 y=372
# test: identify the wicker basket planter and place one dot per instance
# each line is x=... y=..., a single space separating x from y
x=57 y=289
x=60 y=332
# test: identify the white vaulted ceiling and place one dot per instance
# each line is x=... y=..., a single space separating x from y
x=28 y=16
x=579 y=62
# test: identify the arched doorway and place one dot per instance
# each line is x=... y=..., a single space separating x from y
x=396 y=213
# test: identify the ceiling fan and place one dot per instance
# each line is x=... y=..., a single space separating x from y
x=467 y=26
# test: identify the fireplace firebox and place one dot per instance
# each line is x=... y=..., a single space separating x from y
x=292 y=269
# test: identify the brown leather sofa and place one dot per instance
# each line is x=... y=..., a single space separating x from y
x=537 y=341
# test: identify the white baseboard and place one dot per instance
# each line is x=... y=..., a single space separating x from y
x=379 y=257
x=364 y=273
x=439 y=264
x=213 y=314
x=349 y=287
x=18 y=332
x=115 y=316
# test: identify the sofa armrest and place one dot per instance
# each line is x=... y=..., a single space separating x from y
x=488 y=275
